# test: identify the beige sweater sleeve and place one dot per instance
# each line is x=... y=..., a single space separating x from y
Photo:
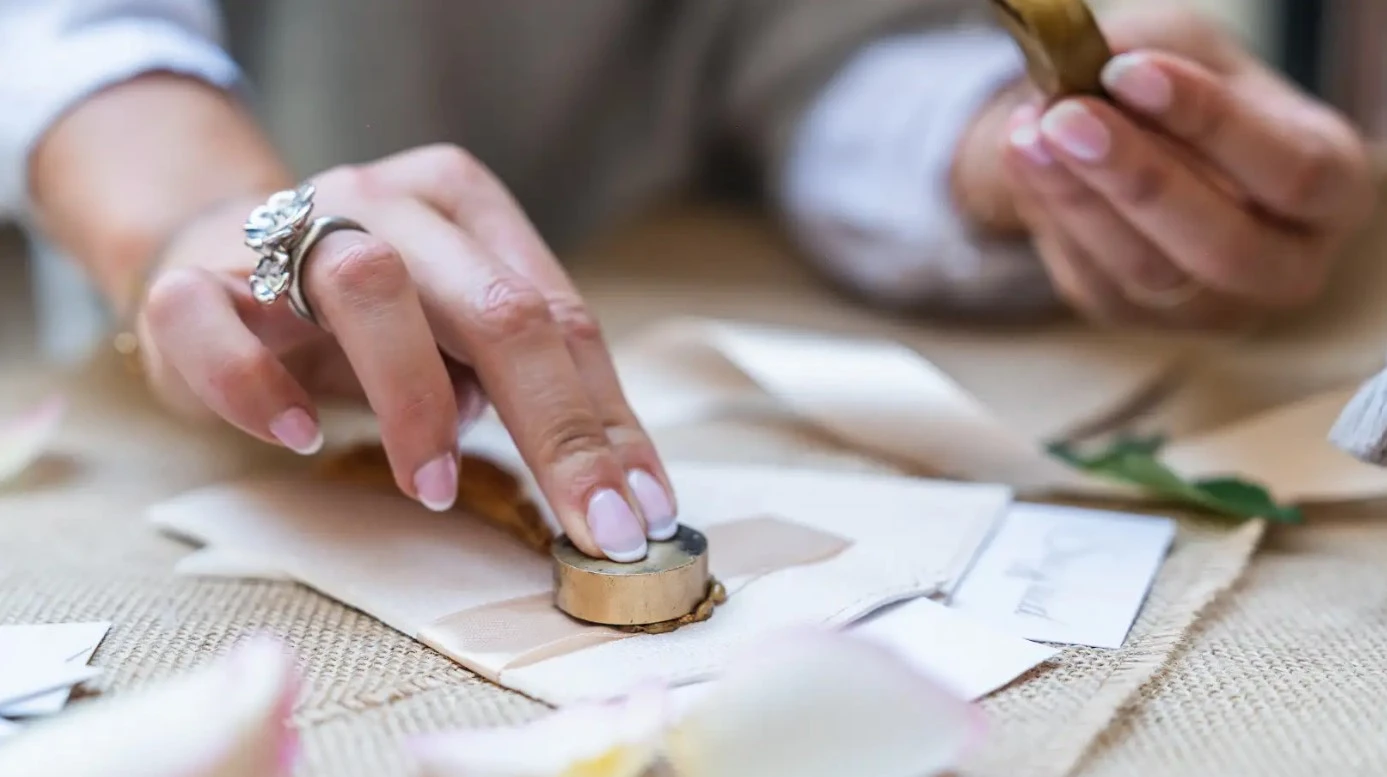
x=776 y=56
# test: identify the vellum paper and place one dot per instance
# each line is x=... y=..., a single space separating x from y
x=792 y=547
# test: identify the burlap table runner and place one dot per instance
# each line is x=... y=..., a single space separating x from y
x=1284 y=676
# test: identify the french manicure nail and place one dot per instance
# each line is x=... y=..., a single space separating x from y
x=471 y=405
x=298 y=431
x=289 y=749
x=1027 y=140
x=615 y=528
x=1135 y=79
x=436 y=483
x=655 y=504
x=1023 y=115
x=1073 y=127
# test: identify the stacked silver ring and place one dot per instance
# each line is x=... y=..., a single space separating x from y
x=281 y=233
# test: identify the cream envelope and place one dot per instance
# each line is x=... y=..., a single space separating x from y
x=793 y=547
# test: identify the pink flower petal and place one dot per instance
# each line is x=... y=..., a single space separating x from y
x=24 y=439
x=618 y=739
x=228 y=719
x=822 y=704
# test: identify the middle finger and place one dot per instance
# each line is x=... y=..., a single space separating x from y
x=1135 y=265
x=1206 y=233
x=463 y=190
x=485 y=314
x=1128 y=258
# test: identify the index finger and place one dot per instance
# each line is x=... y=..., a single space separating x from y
x=1293 y=157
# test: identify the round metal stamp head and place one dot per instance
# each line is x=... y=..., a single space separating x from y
x=669 y=583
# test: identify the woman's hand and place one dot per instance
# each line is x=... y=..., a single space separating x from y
x=1208 y=193
x=448 y=300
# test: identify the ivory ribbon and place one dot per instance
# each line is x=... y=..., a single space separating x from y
x=492 y=638
x=875 y=396
x=882 y=398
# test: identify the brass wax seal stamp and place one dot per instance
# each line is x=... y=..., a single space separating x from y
x=670 y=587
x=1064 y=48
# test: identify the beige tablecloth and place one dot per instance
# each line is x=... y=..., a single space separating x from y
x=1279 y=675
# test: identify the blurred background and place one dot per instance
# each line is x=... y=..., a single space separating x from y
x=1333 y=48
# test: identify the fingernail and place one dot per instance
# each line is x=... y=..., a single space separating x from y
x=615 y=528
x=1023 y=115
x=471 y=405
x=436 y=483
x=1136 y=79
x=655 y=504
x=298 y=431
x=1073 y=127
x=1027 y=140
x=289 y=751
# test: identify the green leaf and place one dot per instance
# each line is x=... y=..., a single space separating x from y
x=1134 y=461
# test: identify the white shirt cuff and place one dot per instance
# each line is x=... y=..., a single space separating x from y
x=867 y=190
x=44 y=76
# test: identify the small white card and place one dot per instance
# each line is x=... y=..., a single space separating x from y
x=967 y=657
x=959 y=652
x=1065 y=575
x=54 y=655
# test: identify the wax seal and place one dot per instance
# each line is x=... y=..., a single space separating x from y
x=485 y=490
x=671 y=583
x=1064 y=48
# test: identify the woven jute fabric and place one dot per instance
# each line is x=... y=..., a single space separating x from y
x=1045 y=724
x=1285 y=675
x=74 y=546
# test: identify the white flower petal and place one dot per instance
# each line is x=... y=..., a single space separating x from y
x=619 y=739
x=822 y=705
x=224 y=720
x=23 y=440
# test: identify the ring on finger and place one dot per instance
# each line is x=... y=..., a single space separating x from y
x=282 y=234
x=1164 y=299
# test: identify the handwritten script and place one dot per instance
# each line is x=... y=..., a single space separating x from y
x=1066 y=575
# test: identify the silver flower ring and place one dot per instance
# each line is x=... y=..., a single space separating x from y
x=281 y=233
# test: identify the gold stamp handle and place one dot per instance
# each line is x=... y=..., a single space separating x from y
x=1064 y=48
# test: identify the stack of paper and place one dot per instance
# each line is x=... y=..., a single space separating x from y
x=39 y=666
x=1012 y=575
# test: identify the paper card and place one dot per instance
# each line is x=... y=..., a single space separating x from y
x=26 y=648
x=1287 y=449
x=960 y=652
x=964 y=655
x=9 y=728
x=22 y=682
x=1065 y=575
